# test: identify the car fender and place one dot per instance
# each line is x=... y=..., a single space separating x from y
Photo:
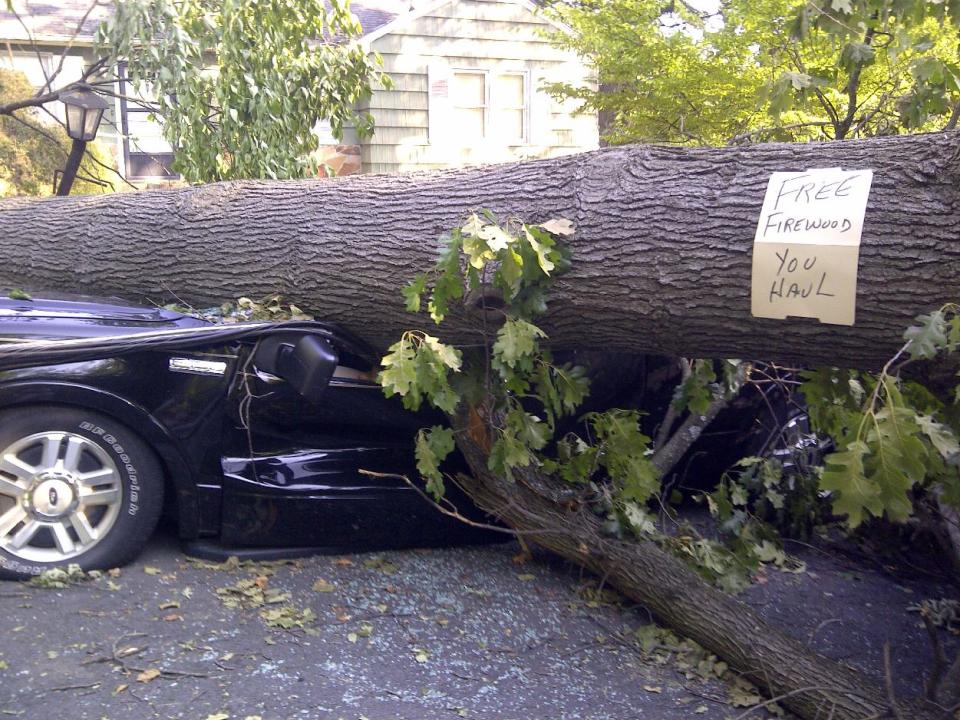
x=179 y=472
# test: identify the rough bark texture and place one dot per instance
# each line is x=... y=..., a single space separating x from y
x=662 y=253
x=812 y=685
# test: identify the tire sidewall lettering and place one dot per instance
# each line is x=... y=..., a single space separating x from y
x=109 y=441
x=19 y=567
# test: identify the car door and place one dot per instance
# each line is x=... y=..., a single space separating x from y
x=325 y=471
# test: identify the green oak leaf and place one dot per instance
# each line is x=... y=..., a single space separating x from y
x=928 y=337
x=845 y=476
x=433 y=445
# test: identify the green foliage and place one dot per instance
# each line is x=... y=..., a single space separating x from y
x=32 y=149
x=765 y=69
x=432 y=447
x=696 y=392
x=515 y=396
x=512 y=383
x=756 y=489
x=622 y=451
x=418 y=367
x=239 y=85
x=893 y=436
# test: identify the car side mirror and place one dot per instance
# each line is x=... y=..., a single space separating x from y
x=306 y=362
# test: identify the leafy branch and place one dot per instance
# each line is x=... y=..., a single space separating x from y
x=521 y=405
x=893 y=435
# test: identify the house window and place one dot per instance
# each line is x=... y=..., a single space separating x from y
x=508 y=108
x=146 y=153
x=37 y=66
x=490 y=106
x=469 y=98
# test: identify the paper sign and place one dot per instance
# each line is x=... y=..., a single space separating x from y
x=807 y=245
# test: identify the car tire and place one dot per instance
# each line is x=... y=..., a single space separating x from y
x=76 y=487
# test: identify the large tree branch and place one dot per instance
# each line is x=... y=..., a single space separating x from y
x=35 y=101
x=668 y=455
x=852 y=88
x=954 y=117
x=782 y=665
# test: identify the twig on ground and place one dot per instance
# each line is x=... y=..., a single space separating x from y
x=63 y=688
x=888 y=681
x=704 y=696
x=454 y=513
x=799 y=691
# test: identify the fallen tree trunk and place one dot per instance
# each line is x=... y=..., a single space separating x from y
x=809 y=684
x=662 y=254
x=662 y=262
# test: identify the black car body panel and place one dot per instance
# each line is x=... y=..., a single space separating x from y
x=252 y=462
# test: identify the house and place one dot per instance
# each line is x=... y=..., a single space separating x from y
x=466 y=86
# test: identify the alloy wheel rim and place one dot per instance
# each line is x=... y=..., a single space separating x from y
x=61 y=494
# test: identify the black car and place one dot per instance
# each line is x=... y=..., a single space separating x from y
x=257 y=439
x=249 y=439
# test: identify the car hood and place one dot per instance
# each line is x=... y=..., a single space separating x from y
x=52 y=318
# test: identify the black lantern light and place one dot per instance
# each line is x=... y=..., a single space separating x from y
x=84 y=110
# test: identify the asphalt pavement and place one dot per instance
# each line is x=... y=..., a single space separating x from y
x=442 y=633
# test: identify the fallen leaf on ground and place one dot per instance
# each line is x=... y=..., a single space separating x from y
x=287 y=617
x=148 y=675
x=381 y=564
x=150 y=570
x=322 y=586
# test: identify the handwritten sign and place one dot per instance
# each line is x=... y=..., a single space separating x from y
x=807 y=245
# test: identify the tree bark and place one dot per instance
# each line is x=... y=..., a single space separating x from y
x=662 y=254
x=812 y=686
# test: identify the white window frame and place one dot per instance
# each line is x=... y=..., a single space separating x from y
x=454 y=71
x=489 y=76
x=129 y=145
x=525 y=75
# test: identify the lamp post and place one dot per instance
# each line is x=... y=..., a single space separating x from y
x=84 y=111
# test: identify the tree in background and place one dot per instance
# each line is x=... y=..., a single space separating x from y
x=32 y=149
x=766 y=70
x=238 y=86
x=241 y=86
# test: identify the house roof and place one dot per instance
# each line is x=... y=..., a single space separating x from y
x=374 y=14
x=56 y=21
x=52 y=21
